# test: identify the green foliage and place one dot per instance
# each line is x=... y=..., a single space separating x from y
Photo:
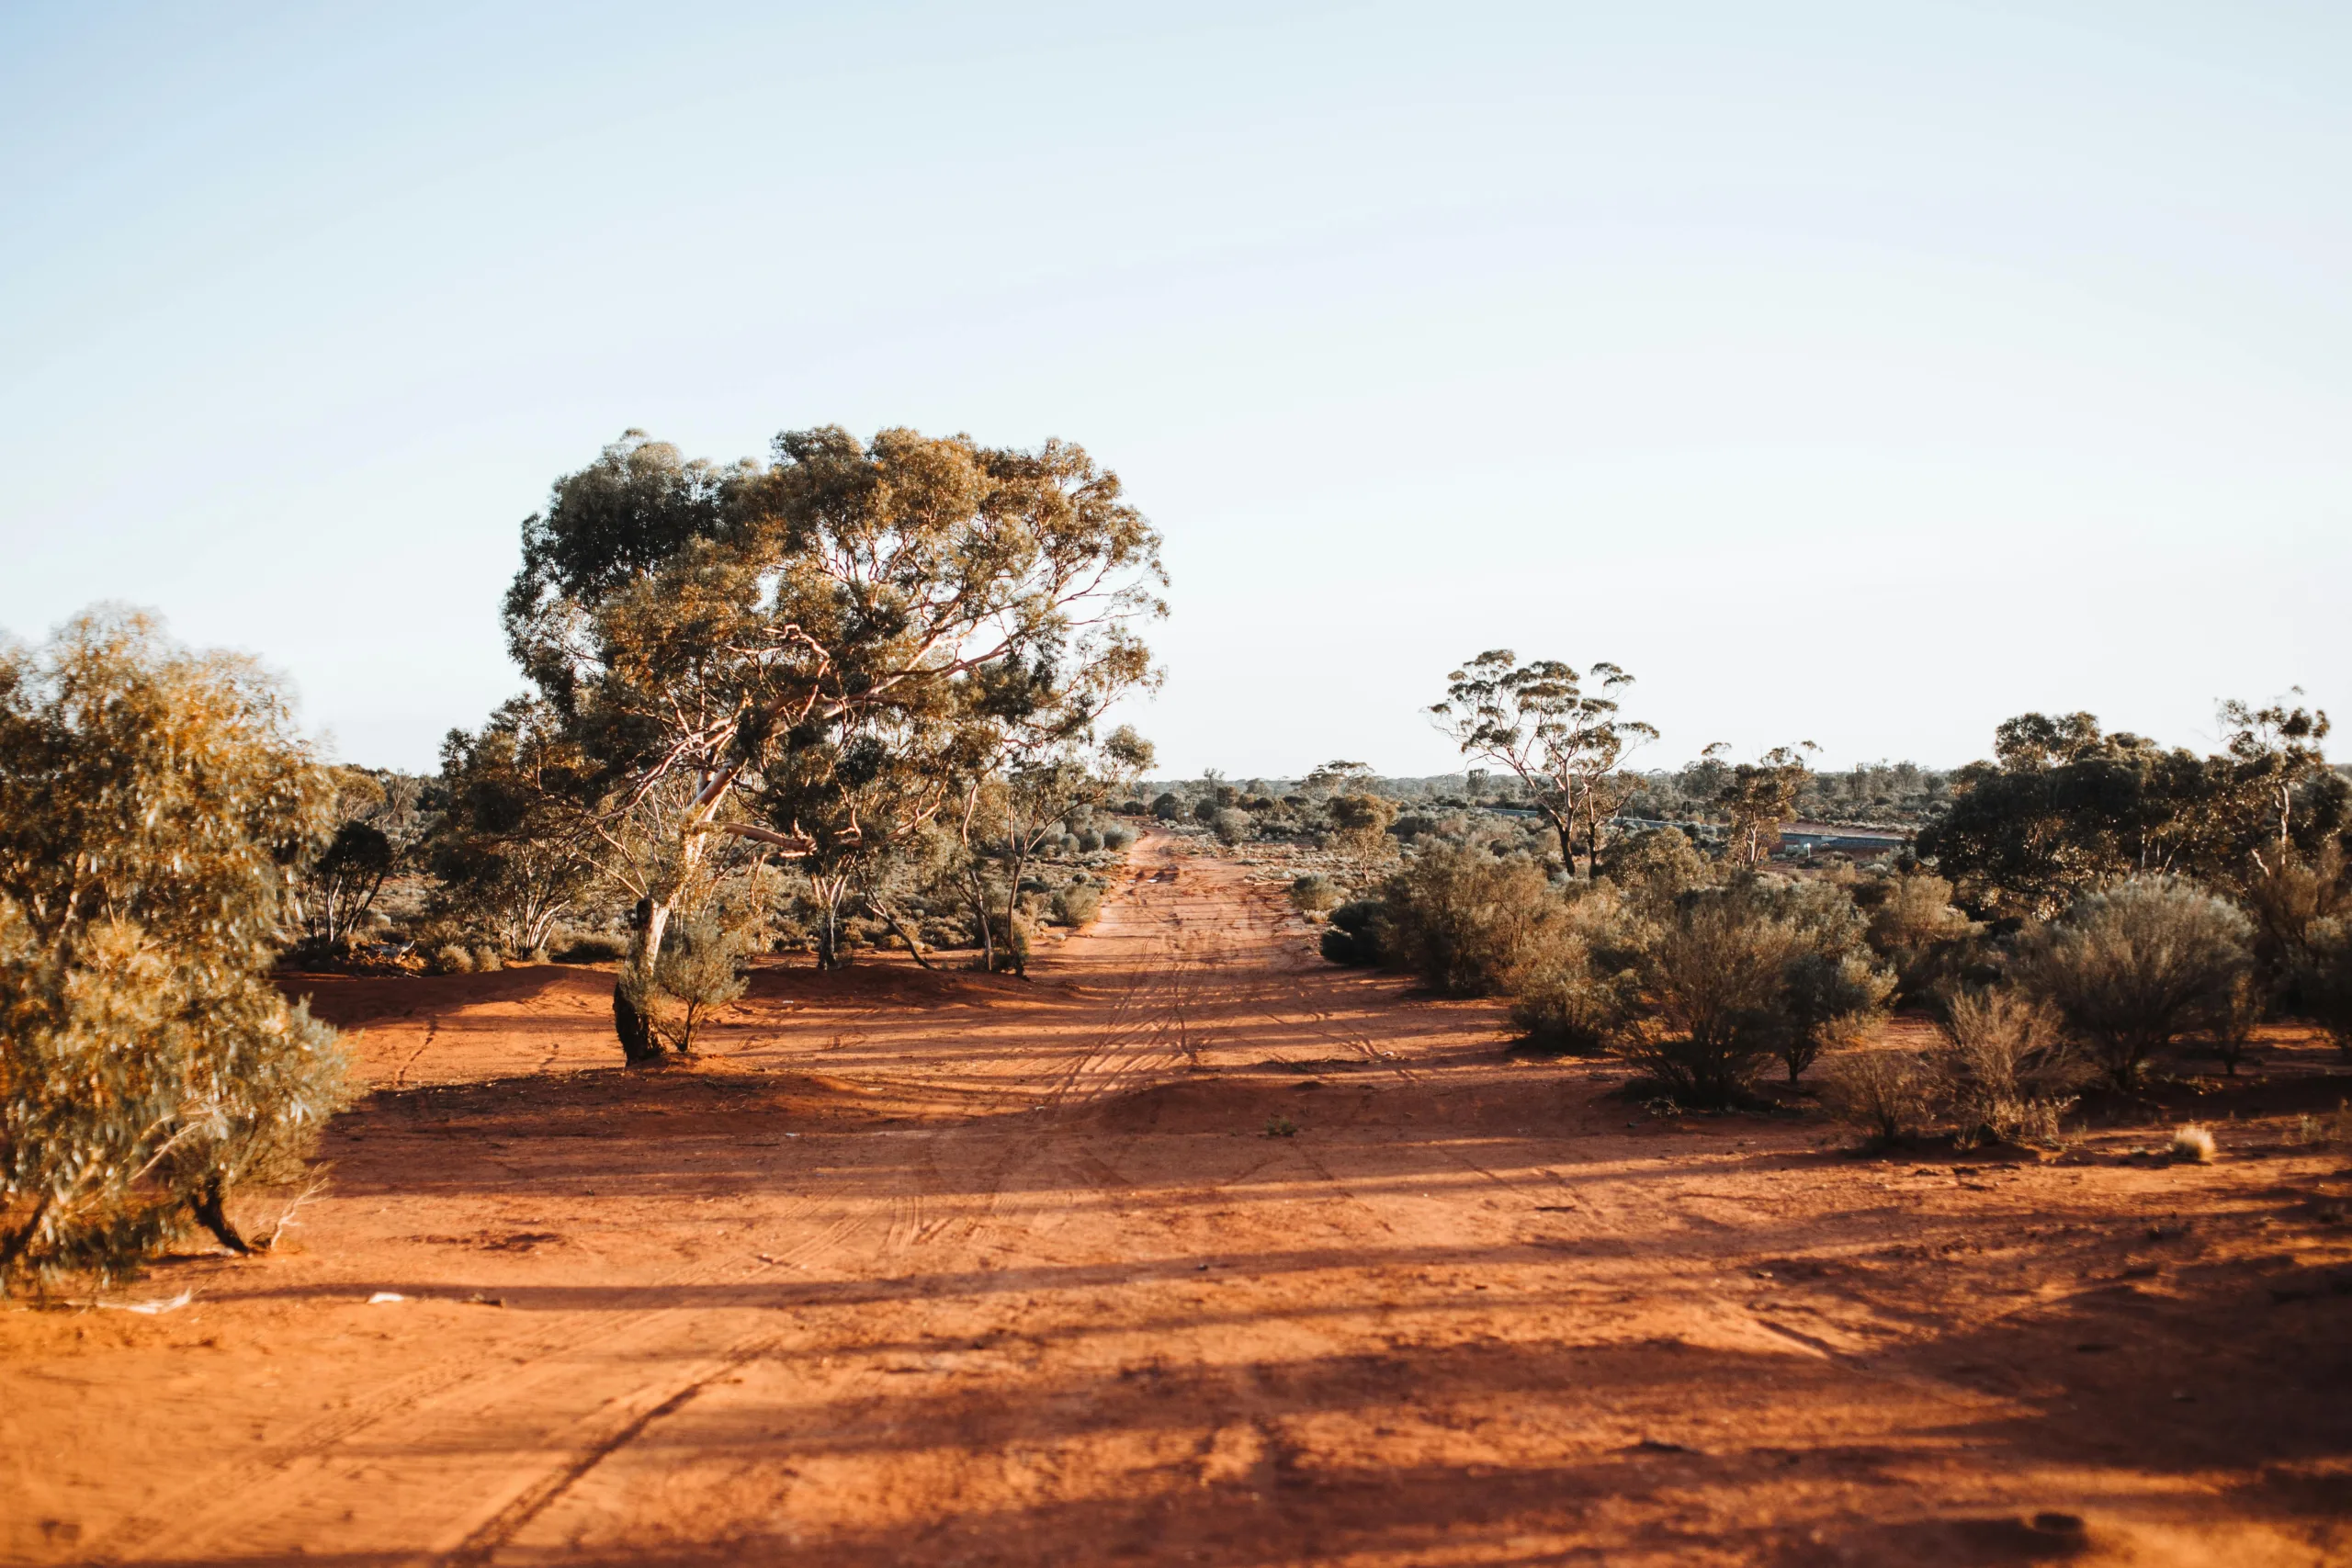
x=510 y=848
x=2322 y=977
x=699 y=969
x=1654 y=869
x=1737 y=976
x=1354 y=935
x=2140 y=965
x=1469 y=925
x=1168 y=807
x=152 y=805
x=1914 y=928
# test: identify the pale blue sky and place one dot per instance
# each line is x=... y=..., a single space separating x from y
x=1860 y=372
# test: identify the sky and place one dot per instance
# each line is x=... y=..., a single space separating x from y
x=1864 y=374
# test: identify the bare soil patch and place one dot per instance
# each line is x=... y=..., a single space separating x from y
x=946 y=1267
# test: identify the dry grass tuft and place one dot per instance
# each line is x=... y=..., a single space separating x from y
x=2192 y=1144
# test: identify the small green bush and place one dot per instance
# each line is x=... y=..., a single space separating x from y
x=2139 y=967
x=1469 y=925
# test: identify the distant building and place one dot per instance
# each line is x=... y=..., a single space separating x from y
x=1808 y=838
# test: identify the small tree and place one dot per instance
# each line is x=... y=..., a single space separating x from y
x=1760 y=797
x=1359 y=825
x=1564 y=740
x=514 y=847
x=152 y=805
x=2271 y=754
x=699 y=971
x=2139 y=967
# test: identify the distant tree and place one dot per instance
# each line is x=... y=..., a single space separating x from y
x=153 y=806
x=2271 y=757
x=1760 y=797
x=2064 y=807
x=1563 y=739
x=515 y=847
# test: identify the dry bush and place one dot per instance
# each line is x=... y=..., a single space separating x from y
x=1889 y=1095
x=2008 y=1072
x=2140 y=965
x=590 y=947
x=1470 y=925
x=1077 y=905
x=152 y=805
x=1715 y=980
x=1314 y=893
x=1914 y=926
x=2192 y=1144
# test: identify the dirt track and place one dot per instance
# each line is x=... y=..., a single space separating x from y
x=922 y=1268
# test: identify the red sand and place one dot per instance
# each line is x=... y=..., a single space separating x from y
x=918 y=1268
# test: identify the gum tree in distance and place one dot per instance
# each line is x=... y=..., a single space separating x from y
x=1562 y=737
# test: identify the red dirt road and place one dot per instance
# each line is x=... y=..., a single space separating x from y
x=948 y=1269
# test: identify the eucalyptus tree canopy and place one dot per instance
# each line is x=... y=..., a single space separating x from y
x=911 y=597
x=1562 y=737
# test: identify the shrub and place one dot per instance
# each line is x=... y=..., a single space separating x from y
x=1715 y=980
x=2192 y=1144
x=1359 y=825
x=1089 y=841
x=1914 y=928
x=1890 y=1095
x=1204 y=810
x=698 y=970
x=2008 y=1070
x=2232 y=1036
x=1231 y=825
x=2322 y=977
x=1569 y=1005
x=1469 y=925
x=1168 y=807
x=1117 y=838
x=450 y=959
x=1314 y=893
x=486 y=960
x=2140 y=965
x=1354 y=934
x=591 y=947
x=152 y=805
x=1077 y=905
x=1834 y=1000
x=1656 y=868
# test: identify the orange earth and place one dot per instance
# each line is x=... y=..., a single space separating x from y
x=952 y=1268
